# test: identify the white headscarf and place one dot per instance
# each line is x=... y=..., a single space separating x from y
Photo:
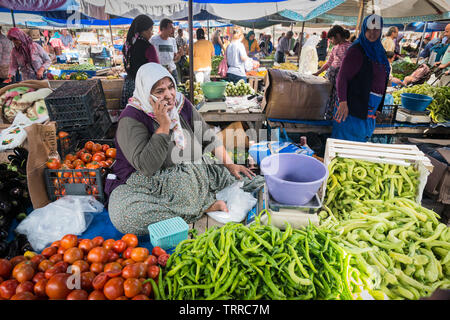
x=146 y=77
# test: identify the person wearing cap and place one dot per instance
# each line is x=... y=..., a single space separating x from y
x=361 y=84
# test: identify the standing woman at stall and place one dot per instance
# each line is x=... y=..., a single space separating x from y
x=27 y=56
x=236 y=57
x=217 y=43
x=338 y=37
x=137 y=51
x=361 y=84
x=250 y=44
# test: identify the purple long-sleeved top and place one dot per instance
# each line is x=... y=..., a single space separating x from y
x=350 y=67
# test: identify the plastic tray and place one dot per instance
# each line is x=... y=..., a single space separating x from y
x=75 y=103
x=168 y=233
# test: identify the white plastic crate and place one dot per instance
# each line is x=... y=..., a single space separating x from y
x=398 y=154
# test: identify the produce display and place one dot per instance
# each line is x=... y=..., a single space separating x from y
x=198 y=92
x=440 y=106
x=403 y=68
x=24 y=99
x=107 y=270
x=398 y=245
x=255 y=73
x=215 y=61
x=286 y=66
x=356 y=180
x=74 y=66
x=241 y=88
x=14 y=201
x=71 y=76
x=81 y=167
x=259 y=262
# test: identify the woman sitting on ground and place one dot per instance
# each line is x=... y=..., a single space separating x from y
x=160 y=169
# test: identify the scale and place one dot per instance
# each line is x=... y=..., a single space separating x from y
x=406 y=115
x=212 y=105
x=297 y=216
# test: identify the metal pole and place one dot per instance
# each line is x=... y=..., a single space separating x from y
x=191 y=54
x=421 y=40
x=13 y=20
x=208 y=28
x=112 y=40
x=300 y=43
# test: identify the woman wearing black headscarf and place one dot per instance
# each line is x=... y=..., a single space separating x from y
x=137 y=51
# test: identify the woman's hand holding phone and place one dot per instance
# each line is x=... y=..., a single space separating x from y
x=160 y=109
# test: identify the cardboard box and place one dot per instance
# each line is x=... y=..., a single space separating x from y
x=438 y=183
x=236 y=130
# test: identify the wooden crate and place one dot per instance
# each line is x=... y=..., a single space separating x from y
x=398 y=154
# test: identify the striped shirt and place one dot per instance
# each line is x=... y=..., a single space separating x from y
x=337 y=55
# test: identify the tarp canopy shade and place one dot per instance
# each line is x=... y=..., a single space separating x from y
x=38 y=5
x=392 y=11
x=204 y=24
x=22 y=19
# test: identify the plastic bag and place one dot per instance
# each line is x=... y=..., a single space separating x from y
x=239 y=203
x=68 y=215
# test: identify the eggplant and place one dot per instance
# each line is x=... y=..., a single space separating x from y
x=16 y=192
x=21 y=153
x=3 y=167
x=13 y=248
x=8 y=175
x=3 y=248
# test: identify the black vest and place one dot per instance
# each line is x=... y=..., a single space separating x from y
x=359 y=87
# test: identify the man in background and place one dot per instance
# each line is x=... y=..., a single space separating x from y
x=388 y=42
x=167 y=48
x=66 y=39
x=283 y=47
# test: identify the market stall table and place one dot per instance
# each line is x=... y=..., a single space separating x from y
x=253 y=116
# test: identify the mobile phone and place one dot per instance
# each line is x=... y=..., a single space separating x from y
x=154 y=98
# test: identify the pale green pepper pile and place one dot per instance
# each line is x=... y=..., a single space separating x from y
x=351 y=179
x=399 y=245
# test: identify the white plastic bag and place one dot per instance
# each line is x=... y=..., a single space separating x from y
x=68 y=215
x=239 y=203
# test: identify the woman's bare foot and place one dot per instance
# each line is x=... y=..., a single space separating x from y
x=219 y=205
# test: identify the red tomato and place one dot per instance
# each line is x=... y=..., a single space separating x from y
x=82 y=265
x=88 y=145
x=26 y=286
x=86 y=245
x=77 y=295
x=8 y=288
x=131 y=240
x=39 y=288
x=97 y=241
x=108 y=244
x=44 y=265
x=53 y=163
x=112 y=267
x=127 y=253
x=37 y=259
x=70 y=157
x=23 y=272
x=147 y=289
x=86 y=280
x=99 y=281
x=5 y=268
x=162 y=259
x=120 y=246
x=61 y=250
x=23 y=296
x=56 y=287
x=16 y=260
x=96 y=148
x=113 y=288
x=132 y=287
x=96 y=267
x=105 y=147
x=98 y=254
x=56 y=258
x=139 y=254
x=153 y=272
x=151 y=260
x=69 y=241
x=38 y=276
x=112 y=256
x=96 y=295
x=62 y=134
x=86 y=157
x=111 y=153
x=157 y=251
x=99 y=156
x=73 y=254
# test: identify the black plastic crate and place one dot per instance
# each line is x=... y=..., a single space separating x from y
x=81 y=182
x=387 y=115
x=74 y=103
x=101 y=126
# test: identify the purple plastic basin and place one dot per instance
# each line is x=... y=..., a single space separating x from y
x=292 y=178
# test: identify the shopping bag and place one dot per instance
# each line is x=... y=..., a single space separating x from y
x=223 y=67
